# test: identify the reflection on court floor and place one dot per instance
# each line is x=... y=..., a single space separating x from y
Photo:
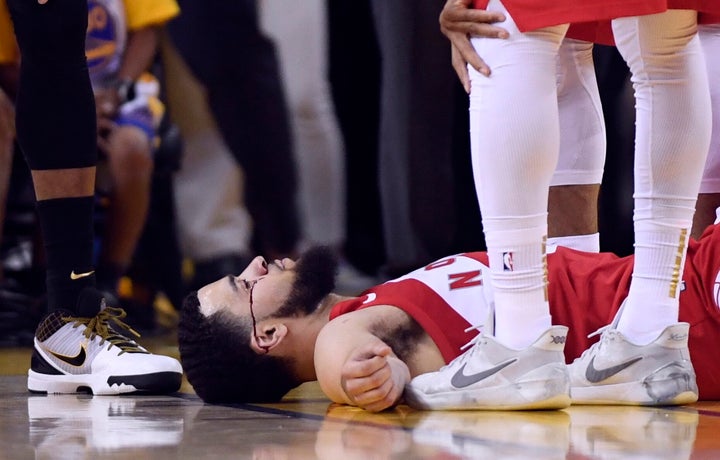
x=307 y=426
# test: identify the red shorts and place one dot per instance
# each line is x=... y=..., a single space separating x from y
x=590 y=19
x=535 y=14
x=601 y=31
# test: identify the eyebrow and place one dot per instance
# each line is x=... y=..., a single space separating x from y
x=231 y=280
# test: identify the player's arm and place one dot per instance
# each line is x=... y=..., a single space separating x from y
x=459 y=22
x=145 y=21
x=355 y=367
x=141 y=50
x=139 y=55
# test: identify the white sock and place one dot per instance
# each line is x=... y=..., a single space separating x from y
x=519 y=276
x=652 y=302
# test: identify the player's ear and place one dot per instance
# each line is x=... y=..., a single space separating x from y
x=269 y=336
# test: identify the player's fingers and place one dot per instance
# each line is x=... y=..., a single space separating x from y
x=367 y=382
x=377 y=399
x=462 y=13
x=460 y=66
x=475 y=29
x=369 y=350
x=385 y=400
x=382 y=349
x=464 y=51
x=354 y=369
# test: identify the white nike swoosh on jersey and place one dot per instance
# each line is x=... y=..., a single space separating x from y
x=370 y=298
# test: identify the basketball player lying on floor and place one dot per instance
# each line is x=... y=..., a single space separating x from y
x=253 y=337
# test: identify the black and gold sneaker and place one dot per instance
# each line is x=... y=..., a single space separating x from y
x=79 y=354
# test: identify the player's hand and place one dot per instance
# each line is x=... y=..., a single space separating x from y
x=42 y=2
x=459 y=22
x=373 y=378
x=107 y=102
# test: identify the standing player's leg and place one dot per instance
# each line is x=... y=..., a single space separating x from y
x=56 y=132
x=513 y=165
x=645 y=346
x=55 y=99
x=515 y=139
x=575 y=186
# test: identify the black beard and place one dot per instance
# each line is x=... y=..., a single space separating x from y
x=315 y=279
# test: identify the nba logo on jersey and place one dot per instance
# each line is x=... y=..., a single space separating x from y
x=507 y=261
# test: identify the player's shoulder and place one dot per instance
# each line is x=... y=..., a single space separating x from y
x=366 y=314
x=362 y=320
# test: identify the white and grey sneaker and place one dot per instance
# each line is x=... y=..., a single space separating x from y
x=490 y=376
x=80 y=354
x=616 y=371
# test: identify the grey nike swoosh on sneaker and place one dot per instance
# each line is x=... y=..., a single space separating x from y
x=460 y=380
x=594 y=375
x=77 y=360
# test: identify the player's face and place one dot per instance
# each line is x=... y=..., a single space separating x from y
x=269 y=284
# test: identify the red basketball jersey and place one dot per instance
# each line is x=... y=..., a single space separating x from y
x=585 y=290
x=445 y=298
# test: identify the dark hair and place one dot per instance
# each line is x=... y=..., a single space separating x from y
x=219 y=363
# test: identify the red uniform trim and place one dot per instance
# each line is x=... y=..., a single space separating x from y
x=443 y=324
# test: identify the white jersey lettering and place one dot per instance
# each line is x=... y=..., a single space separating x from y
x=458 y=280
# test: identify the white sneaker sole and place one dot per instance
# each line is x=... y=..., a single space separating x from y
x=103 y=384
x=671 y=386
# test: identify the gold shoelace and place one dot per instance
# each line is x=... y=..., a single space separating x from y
x=100 y=326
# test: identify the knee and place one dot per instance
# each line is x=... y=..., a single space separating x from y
x=54 y=32
x=130 y=154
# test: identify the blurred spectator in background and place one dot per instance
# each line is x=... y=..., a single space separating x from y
x=225 y=50
x=354 y=74
x=425 y=190
x=300 y=31
x=121 y=45
x=214 y=227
